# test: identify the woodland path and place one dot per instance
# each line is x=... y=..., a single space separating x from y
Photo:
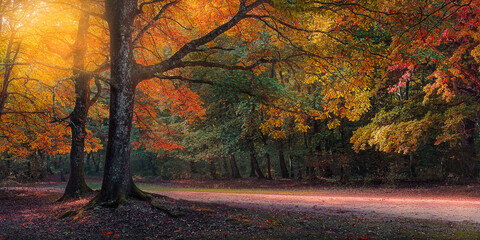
x=363 y=204
x=433 y=208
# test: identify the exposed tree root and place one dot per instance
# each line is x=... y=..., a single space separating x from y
x=80 y=192
x=157 y=201
x=68 y=213
x=171 y=211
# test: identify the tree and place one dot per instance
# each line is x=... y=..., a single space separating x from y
x=126 y=73
x=76 y=185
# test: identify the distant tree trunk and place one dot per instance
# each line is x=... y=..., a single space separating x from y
x=299 y=168
x=29 y=169
x=312 y=173
x=225 y=170
x=342 y=173
x=62 y=174
x=193 y=167
x=153 y=169
x=97 y=162
x=281 y=159
x=412 y=166
x=255 y=165
x=212 y=169
x=9 y=167
x=292 y=170
x=252 y=169
x=234 y=167
x=49 y=168
x=269 y=166
x=467 y=153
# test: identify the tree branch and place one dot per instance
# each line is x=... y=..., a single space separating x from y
x=154 y=19
x=146 y=72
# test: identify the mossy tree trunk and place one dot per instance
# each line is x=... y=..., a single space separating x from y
x=117 y=183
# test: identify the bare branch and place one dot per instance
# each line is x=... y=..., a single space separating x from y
x=154 y=19
x=181 y=78
x=99 y=91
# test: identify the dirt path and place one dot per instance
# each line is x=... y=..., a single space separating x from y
x=366 y=204
x=448 y=209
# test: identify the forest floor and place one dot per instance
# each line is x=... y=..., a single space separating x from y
x=247 y=209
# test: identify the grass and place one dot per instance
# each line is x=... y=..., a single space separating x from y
x=149 y=187
x=154 y=187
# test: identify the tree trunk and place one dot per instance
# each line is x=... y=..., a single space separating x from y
x=299 y=169
x=252 y=169
x=117 y=183
x=212 y=169
x=255 y=165
x=76 y=186
x=234 y=167
x=281 y=159
x=292 y=171
x=193 y=167
x=62 y=174
x=467 y=153
x=412 y=166
x=47 y=159
x=97 y=162
x=153 y=169
x=225 y=171
x=9 y=167
x=269 y=166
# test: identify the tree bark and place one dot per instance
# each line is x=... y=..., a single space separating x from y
x=234 y=167
x=76 y=186
x=117 y=183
